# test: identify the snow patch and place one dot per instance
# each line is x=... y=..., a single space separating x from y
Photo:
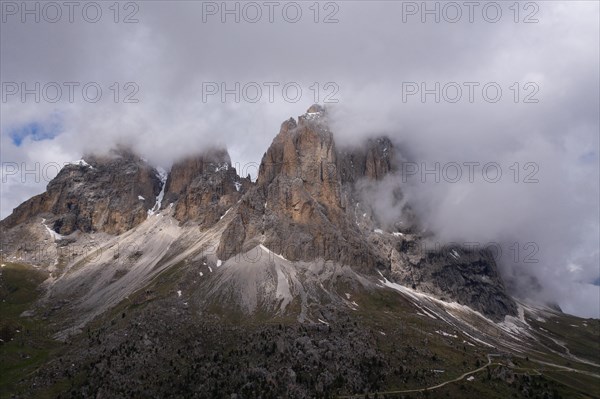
x=430 y=315
x=283 y=289
x=141 y=198
x=409 y=292
x=238 y=185
x=516 y=326
x=478 y=340
x=445 y=334
x=80 y=162
x=55 y=236
x=225 y=213
x=219 y=262
x=162 y=175
x=313 y=115
x=271 y=252
x=222 y=166
x=179 y=293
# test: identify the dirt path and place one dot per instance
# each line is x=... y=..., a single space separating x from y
x=462 y=376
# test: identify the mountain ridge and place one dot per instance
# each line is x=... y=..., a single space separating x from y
x=289 y=286
x=306 y=206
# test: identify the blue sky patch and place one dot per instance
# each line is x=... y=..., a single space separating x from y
x=36 y=131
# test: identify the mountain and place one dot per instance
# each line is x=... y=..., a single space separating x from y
x=199 y=282
x=306 y=206
x=110 y=193
x=204 y=187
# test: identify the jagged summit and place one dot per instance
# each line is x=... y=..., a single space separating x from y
x=316 y=109
x=316 y=112
x=203 y=187
x=309 y=205
x=315 y=116
x=185 y=171
x=303 y=204
x=110 y=193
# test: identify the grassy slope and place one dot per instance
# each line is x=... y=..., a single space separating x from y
x=27 y=342
x=408 y=341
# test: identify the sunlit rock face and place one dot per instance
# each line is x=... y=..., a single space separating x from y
x=313 y=201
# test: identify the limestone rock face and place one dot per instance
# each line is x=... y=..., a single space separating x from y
x=110 y=193
x=307 y=205
x=184 y=172
x=204 y=187
x=313 y=201
x=301 y=205
x=374 y=162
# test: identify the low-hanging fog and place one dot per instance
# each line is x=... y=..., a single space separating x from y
x=541 y=133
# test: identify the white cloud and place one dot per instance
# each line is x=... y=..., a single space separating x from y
x=369 y=54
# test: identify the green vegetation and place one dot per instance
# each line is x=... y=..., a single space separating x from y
x=26 y=341
x=156 y=343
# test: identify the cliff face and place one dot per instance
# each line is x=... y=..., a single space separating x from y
x=204 y=187
x=109 y=193
x=308 y=205
x=313 y=201
x=303 y=198
x=183 y=173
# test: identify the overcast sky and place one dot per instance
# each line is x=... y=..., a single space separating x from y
x=518 y=89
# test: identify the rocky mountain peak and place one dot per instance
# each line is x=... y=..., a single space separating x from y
x=375 y=159
x=302 y=204
x=186 y=170
x=204 y=186
x=110 y=192
x=316 y=109
x=302 y=151
x=308 y=205
x=120 y=152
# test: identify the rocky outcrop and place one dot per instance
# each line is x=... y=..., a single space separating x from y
x=373 y=161
x=308 y=205
x=204 y=187
x=313 y=201
x=184 y=172
x=303 y=197
x=110 y=193
x=468 y=276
